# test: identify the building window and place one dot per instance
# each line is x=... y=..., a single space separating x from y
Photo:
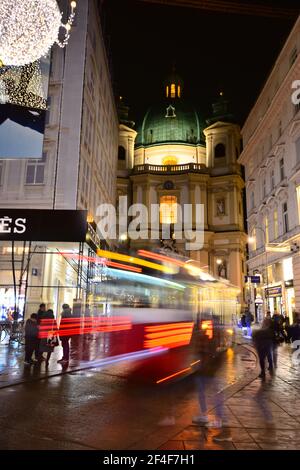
x=285 y=217
x=270 y=141
x=220 y=151
x=281 y=168
x=279 y=129
x=35 y=171
x=85 y=182
x=272 y=179
x=253 y=240
x=167 y=91
x=267 y=230
x=275 y=224
x=170 y=112
x=179 y=91
x=168 y=210
x=121 y=153
x=88 y=131
x=264 y=188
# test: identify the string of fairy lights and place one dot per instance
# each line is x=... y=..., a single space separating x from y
x=23 y=86
x=28 y=29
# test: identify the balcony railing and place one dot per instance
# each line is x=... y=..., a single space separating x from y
x=168 y=169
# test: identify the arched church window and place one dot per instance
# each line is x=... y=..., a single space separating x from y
x=173 y=90
x=179 y=91
x=170 y=161
x=168 y=209
x=220 y=151
x=121 y=153
x=167 y=91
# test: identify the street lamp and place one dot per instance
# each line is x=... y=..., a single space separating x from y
x=252 y=240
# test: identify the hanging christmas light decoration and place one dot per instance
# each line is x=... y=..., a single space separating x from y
x=28 y=29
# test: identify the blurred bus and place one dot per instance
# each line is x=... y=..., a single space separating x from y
x=169 y=315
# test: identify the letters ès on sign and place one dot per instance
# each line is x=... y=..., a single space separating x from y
x=10 y=225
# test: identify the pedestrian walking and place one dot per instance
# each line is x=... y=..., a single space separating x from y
x=263 y=341
x=249 y=318
x=244 y=324
x=286 y=327
x=48 y=336
x=278 y=335
x=66 y=315
x=210 y=386
x=31 y=339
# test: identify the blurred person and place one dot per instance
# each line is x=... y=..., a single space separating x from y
x=294 y=329
x=263 y=341
x=208 y=383
x=249 y=318
x=278 y=335
x=244 y=324
x=48 y=343
x=31 y=339
x=267 y=321
x=65 y=340
x=286 y=327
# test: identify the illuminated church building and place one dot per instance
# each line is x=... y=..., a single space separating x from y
x=175 y=158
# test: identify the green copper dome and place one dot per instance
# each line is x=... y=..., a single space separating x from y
x=172 y=121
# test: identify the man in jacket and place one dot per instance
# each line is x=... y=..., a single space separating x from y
x=65 y=325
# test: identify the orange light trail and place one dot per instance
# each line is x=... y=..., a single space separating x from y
x=173 y=375
x=133 y=260
x=170 y=335
x=157 y=256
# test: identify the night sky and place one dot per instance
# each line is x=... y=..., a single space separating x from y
x=212 y=52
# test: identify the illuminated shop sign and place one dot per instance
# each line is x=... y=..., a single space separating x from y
x=274 y=291
x=43 y=225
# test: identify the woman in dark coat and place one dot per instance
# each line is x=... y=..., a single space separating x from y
x=48 y=330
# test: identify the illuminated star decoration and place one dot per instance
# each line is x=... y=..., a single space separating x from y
x=28 y=29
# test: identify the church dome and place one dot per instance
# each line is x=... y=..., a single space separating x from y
x=172 y=121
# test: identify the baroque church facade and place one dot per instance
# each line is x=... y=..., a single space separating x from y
x=172 y=159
